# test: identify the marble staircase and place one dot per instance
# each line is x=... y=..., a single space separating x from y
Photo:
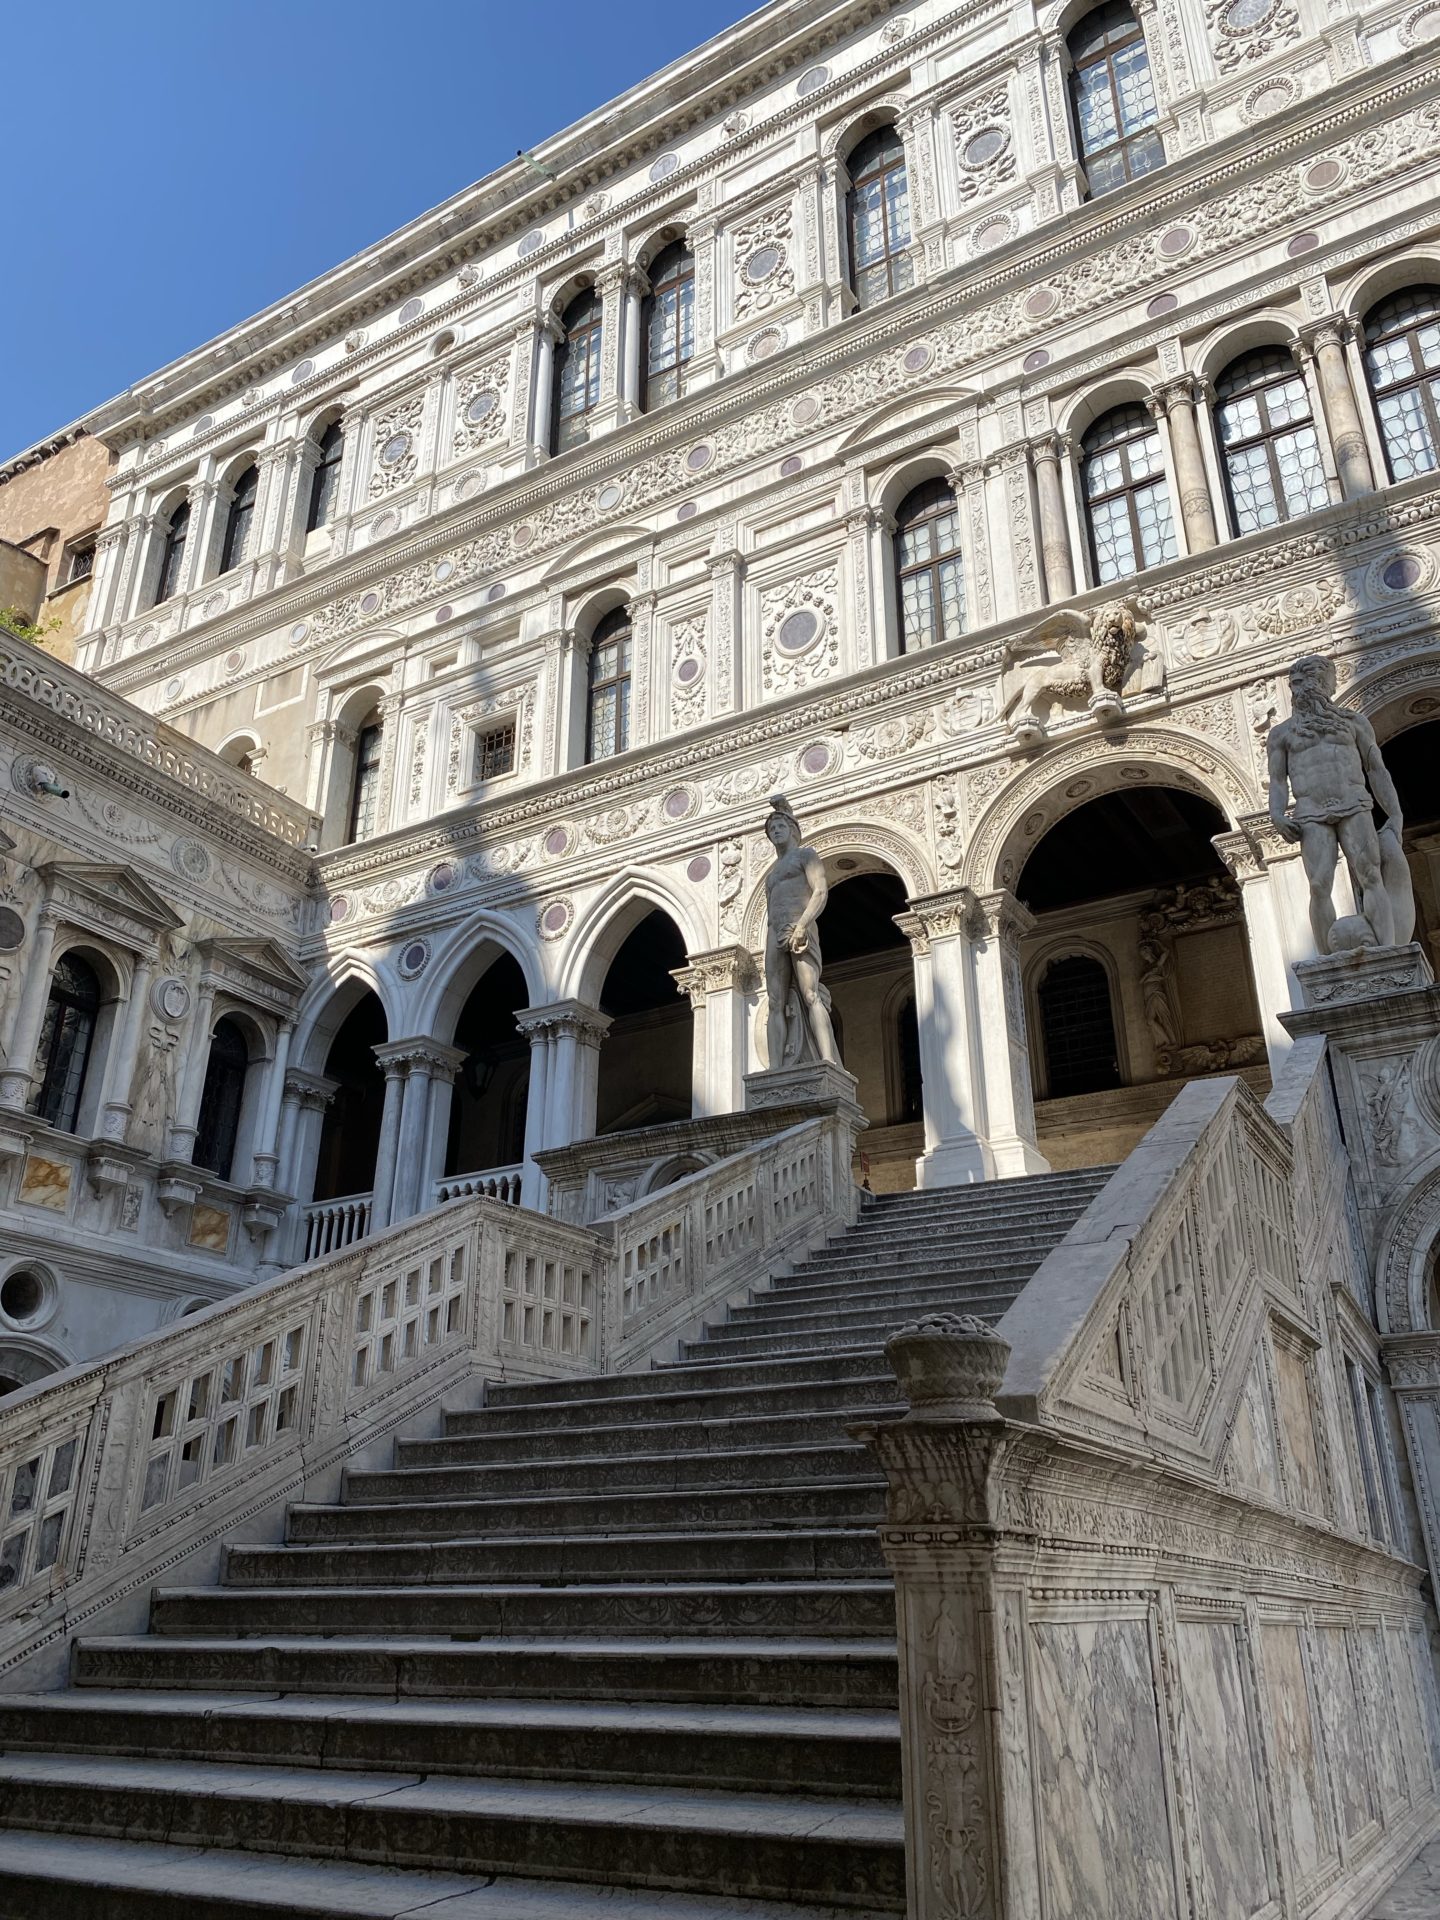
x=620 y=1645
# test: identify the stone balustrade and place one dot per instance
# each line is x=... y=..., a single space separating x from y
x=497 y=1183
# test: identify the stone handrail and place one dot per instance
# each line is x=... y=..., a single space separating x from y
x=499 y=1183
x=140 y=1462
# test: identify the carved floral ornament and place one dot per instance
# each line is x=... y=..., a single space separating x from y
x=1248 y=210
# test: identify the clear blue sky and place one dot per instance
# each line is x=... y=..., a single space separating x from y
x=172 y=166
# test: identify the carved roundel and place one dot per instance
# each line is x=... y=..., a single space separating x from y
x=1271 y=96
x=234 y=660
x=469 y=484
x=442 y=614
x=370 y=602
x=1410 y=570
x=170 y=998
x=443 y=571
x=700 y=456
x=765 y=344
x=481 y=405
x=340 y=908
x=678 y=804
x=395 y=449
x=665 y=166
x=414 y=958
x=299 y=632
x=384 y=526
x=442 y=877
x=698 y=869
x=817 y=758
x=214 y=605
x=992 y=233
x=203 y=425
x=805 y=409
x=799 y=631
x=411 y=310
x=555 y=920
x=302 y=373
x=174 y=688
x=557 y=842
x=1324 y=173
x=1422 y=25
x=610 y=495
x=530 y=242
x=1174 y=241
x=12 y=930
x=190 y=860
x=764 y=263
x=984 y=147
x=811 y=81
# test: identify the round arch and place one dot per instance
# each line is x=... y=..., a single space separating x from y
x=27 y=1362
x=557 y=297
x=591 y=608
x=1271 y=327
x=1408 y=1238
x=1061 y=781
x=239 y=462
x=1416 y=266
x=238 y=747
x=874 y=849
x=657 y=239
x=327 y=1001
x=900 y=481
x=1396 y=698
x=1068 y=946
x=605 y=924
x=843 y=140
x=1125 y=386
x=467 y=956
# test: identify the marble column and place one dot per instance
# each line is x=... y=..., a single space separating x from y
x=547 y=336
x=265 y=1158
x=394 y=1062
x=420 y=1061
x=533 y=1184
x=19 y=1072
x=717 y=983
x=612 y=284
x=1276 y=899
x=1054 y=533
x=1342 y=415
x=1175 y=402
x=632 y=342
x=1009 y=1105
x=308 y=1097
x=187 y=1117
x=124 y=1052
x=575 y=1033
x=941 y=929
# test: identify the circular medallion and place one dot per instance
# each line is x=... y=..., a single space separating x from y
x=798 y=630
x=815 y=759
x=413 y=959
x=1271 y=96
x=790 y=466
x=12 y=930
x=174 y=689
x=370 y=602
x=495 y=592
x=468 y=485
x=805 y=409
x=698 y=869
x=300 y=631
x=1303 y=243
x=190 y=860
x=302 y=373
x=1243 y=16
x=530 y=243
x=762 y=263
x=442 y=614
x=203 y=424
x=688 y=671
x=765 y=344
x=1042 y=301
x=1175 y=241
x=481 y=406
x=384 y=526
x=235 y=660
x=555 y=919
x=557 y=840
x=698 y=458
x=1402 y=573
x=994 y=233
x=411 y=310
x=443 y=571
x=1033 y=362
x=1323 y=174
x=917 y=359
x=442 y=343
x=678 y=804
x=1161 y=304
x=811 y=81
x=522 y=536
x=610 y=495
x=395 y=449
x=442 y=877
x=686 y=510
x=214 y=605
x=339 y=908
x=665 y=166
x=170 y=998
x=983 y=147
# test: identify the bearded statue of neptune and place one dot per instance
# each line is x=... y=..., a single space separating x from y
x=1326 y=780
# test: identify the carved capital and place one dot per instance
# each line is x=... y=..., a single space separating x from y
x=1004 y=917
x=942 y=916
x=564 y=1018
x=722 y=970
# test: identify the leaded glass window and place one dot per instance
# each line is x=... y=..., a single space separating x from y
x=218 y=1127
x=669 y=327
x=1077 y=1028
x=1402 y=363
x=237 y=521
x=172 y=556
x=575 y=386
x=495 y=751
x=66 y=1039
x=1127 y=502
x=879 y=218
x=1273 y=470
x=365 y=794
x=929 y=572
x=325 y=481
x=608 y=725
x=1113 y=99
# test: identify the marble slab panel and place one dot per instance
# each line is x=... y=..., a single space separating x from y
x=1223 y=1764
x=1413 y=1746
x=1425 y=1687
x=210 y=1228
x=1377 y=1700
x=46 y=1183
x=1344 y=1730
x=1297 y=1423
x=1104 y=1813
x=1299 y=1798
x=1252 y=1455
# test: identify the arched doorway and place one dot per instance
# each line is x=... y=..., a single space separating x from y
x=869 y=974
x=647 y=1058
x=1411 y=758
x=1137 y=972
x=488 y=1105
x=350 y=1134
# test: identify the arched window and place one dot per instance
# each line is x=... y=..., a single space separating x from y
x=1272 y=453
x=1127 y=503
x=607 y=728
x=929 y=572
x=365 y=789
x=575 y=383
x=669 y=327
x=325 y=481
x=1077 y=1028
x=66 y=1040
x=878 y=216
x=220 y=1100
x=172 y=554
x=237 y=521
x=1402 y=364
x=1113 y=99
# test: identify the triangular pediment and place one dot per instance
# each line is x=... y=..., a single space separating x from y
x=261 y=961
x=107 y=889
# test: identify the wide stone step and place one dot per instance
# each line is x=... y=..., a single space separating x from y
x=677 y=1379
x=876 y=1388
x=715 y=1434
x=857 y=1501
x=737 y=1748
x=652 y=1471
x=844 y=1290
x=850 y=1853
x=797 y=1671
x=860 y=1329
x=882 y=1305
x=837 y=1553
x=953 y=1252
x=70 y=1877
x=849 y=1608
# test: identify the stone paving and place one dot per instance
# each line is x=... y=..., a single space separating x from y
x=1416 y=1894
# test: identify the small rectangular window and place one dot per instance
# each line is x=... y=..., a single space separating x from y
x=79 y=562
x=495 y=751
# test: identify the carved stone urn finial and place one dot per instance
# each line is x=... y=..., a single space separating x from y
x=950 y=1366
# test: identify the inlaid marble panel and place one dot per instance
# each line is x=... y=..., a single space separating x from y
x=1297 y=1423
x=1223 y=1768
x=1299 y=1799
x=1252 y=1456
x=1379 y=1704
x=1425 y=1687
x=210 y=1228
x=1344 y=1729
x=46 y=1184
x=1105 y=1829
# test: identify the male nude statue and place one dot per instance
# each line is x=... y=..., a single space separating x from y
x=795 y=896
x=1328 y=758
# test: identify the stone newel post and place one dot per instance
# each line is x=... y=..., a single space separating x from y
x=969 y=1844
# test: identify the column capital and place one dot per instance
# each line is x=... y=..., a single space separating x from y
x=1183 y=390
x=1412 y=1361
x=1005 y=918
x=403 y=1056
x=1330 y=329
x=942 y=916
x=1051 y=446
x=1238 y=851
x=721 y=970
x=1270 y=845
x=562 y=1017
x=310 y=1090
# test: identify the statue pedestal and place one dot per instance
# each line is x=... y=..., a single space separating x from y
x=1365 y=973
x=813 y=1083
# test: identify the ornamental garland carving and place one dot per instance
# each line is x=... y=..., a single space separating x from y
x=799 y=636
x=480 y=412
x=764 y=264
x=1245 y=31
x=397 y=446
x=984 y=145
x=688 y=663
